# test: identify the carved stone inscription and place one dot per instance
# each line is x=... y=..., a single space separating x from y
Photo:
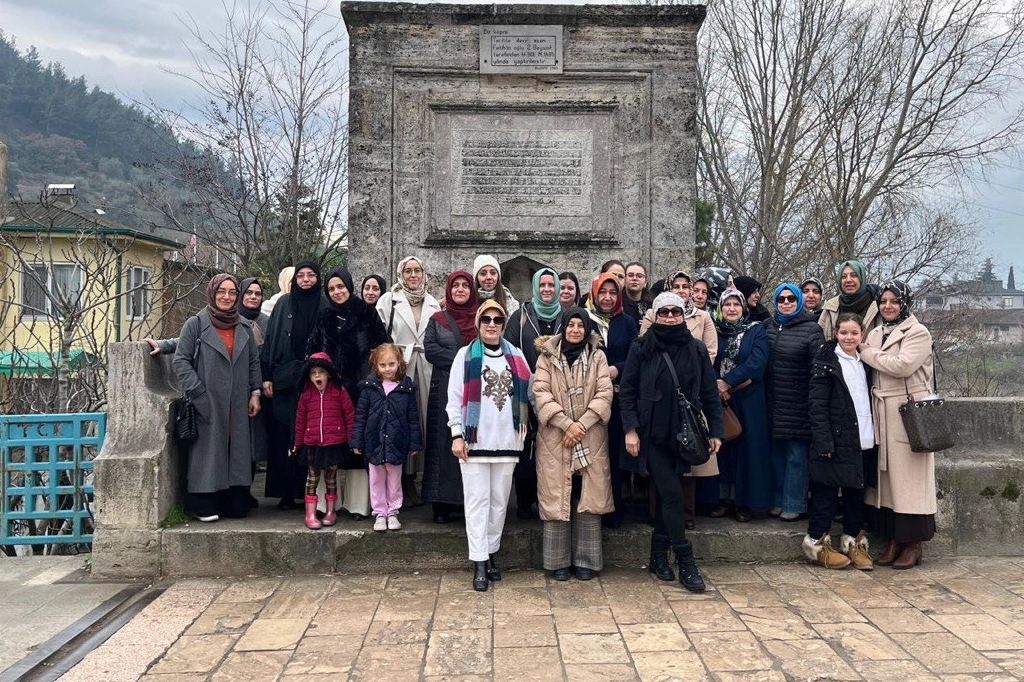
x=520 y=49
x=522 y=172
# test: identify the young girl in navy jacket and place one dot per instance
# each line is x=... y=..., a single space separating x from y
x=323 y=429
x=387 y=431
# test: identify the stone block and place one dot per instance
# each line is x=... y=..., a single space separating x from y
x=190 y=551
x=125 y=553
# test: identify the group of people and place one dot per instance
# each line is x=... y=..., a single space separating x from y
x=565 y=397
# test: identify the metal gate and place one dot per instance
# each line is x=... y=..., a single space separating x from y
x=46 y=473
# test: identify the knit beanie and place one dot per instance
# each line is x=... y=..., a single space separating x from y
x=482 y=261
x=667 y=299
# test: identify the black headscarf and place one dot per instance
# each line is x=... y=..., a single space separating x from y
x=303 y=304
x=248 y=313
x=346 y=277
x=901 y=290
x=381 y=282
x=571 y=350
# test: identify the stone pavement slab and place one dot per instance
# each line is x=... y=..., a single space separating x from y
x=959 y=620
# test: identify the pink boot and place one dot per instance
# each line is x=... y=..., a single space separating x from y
x=312 y=522
x=330 y=518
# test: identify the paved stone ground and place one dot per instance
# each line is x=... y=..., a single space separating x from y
x=39 y=597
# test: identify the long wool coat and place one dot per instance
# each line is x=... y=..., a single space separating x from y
x=554 y=461
x=220 y=387
x=442 y=477
x=902 y=363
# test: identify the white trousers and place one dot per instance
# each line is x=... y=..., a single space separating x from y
x=486 y=487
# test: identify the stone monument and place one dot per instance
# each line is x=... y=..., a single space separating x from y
x=558 y=135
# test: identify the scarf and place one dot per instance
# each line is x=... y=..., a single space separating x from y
x=574 y=364
x=344 y=275
x=415 y=297
x=472 y=386
x=545 y=311
x=220 y=318
x=821 y=289
x=603 y=320
x=903 y=294
x=464 y=314
x=251 y=314
x=689 y=309
x=732 y=331
x=792 y=288
x=670 y=338
x=570 y=350
x=859 y=301
x=304 y=304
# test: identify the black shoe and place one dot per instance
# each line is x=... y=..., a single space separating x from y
x=480 y=581
x=689 y=576
x=253 y=502
x=287 y=504
x=493 y=572
x=658 y=562
x=560 y=574
x=584 y=573
x=440 y=518
x=613 y=522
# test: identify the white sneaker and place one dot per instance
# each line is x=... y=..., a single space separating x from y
x=393 y=523
x=381 y=524
x=208 y=519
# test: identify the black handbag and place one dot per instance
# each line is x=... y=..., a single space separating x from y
x=927 y=424
x=186 y=429
x=693 y=441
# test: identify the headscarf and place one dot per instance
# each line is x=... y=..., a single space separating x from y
x=381 y=282
x=903 y=294
x=572 y=277
x=689 y=309
x=248 y=313
x=574 y=363
x=732 y=331
x=220 y=318
x=571 y=350
x=284 y=279
x=304 y=304
x=464 y=314
x=858 y=301
x=547 y=312
x=414 y=297
x=816 y=282
x=780 y=318
x=345 y=276
x=707 y=280
x=747 y=285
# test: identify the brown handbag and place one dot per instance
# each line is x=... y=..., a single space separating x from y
x=733 y=428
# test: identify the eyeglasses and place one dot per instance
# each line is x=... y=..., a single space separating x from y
x=670 y=312
x=487 y=319
x=230 y=293
x=786 y=299
x=636 y=275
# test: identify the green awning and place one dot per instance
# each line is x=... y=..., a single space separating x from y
x=40 y=363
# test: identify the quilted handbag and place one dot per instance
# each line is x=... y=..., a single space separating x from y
x=186 y=429
x=927 y=424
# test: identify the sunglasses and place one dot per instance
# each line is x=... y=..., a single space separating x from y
x=786 y=299
x=487 y=319
x=670 y=312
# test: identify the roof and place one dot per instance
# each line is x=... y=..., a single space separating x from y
x=40 y=363
x=997 y=316
x=36 y=216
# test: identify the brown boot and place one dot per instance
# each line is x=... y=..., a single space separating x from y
x=890 y=554
x=856 y=549
x=823 y=553
x=909 y=557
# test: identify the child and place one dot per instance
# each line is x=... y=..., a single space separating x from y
x=387 y=431
x=842 y=442
x=323 y=428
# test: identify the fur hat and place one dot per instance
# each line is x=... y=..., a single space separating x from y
x=322 y=360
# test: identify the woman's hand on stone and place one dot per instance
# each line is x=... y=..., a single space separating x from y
x=154 y=346
x=632 y=442
x=459 y=448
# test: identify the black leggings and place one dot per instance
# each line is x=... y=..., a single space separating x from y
x=668 y=512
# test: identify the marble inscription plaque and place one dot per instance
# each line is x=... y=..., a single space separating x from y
x=520 y=49
x=522 y=172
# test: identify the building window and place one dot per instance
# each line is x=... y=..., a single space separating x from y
x=138 y=292
x=1007 y=301
x=50 y=290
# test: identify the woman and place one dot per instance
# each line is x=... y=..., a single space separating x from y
x=744 y=464
x=347 y=330
x=637 y=299
x=372 y=288
x=699 y=321
x=284 y=353
x=651 y=419
x=793 y=341
x=900 y=352
x=573 y=398
x=488 y=432
x=568 y=290
x=855 y=296
x=812 y=289
x=617 y=268
x=487 y=275
x=701 y=293
x=617 y=331
x=250 y=307
x=447 y=332
x=218 y=367
x=405 y=312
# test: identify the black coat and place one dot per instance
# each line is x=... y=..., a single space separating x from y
x=442 y=478
x=387 y=426
x=348 y=339
x=792 y=348
x=524 y=328
x=834 y=427
x=279 y=363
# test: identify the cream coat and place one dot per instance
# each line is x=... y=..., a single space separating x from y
x=830 y=313
x=554 y=461
x=906 y=479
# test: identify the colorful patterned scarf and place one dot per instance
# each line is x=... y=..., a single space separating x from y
x=472 y=387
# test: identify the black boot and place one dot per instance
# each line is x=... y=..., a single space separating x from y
x=658 y=563
x=689 y=576
x=493 y=572
x=480 y=581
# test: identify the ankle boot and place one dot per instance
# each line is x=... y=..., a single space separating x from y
x=331 y=517
x=890 y=554
x=856 y=549
x=493 y=572
x=909 y=557
x=312 y=522
x=689 y=576
x=821 y=552
x=658 y=563
x=480 y=581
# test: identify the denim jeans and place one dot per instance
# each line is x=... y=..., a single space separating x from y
x=789 y=475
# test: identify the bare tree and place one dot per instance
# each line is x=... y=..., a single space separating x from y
x=264 y=153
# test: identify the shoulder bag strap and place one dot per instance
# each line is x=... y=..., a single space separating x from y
x=672 y=370
x=391 y=320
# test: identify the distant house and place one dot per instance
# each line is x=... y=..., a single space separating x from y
x=983 y=308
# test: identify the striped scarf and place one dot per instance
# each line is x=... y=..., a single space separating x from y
x=472 y=388
x=576 y=381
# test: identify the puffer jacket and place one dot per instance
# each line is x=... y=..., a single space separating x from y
x=792 y=349
x=834 y=428
x=323 y=418
x=387 y=426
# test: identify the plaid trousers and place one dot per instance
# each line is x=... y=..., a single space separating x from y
x=573 y=543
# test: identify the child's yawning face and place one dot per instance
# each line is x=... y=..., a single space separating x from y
x=318 y=377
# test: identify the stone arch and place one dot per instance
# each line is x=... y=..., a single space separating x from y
x=517 y=274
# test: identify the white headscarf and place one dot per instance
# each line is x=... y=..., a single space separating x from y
x=414 y=297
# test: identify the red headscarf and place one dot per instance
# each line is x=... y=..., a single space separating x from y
x=464 y=314
x=595 y=286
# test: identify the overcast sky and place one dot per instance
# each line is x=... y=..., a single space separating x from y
x=125 y=46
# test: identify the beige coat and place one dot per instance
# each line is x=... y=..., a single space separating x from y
x=830 y=313
x=701 y=326
x=554 y=461
x=906 y=479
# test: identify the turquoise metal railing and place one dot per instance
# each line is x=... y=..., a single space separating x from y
x=46 y=473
